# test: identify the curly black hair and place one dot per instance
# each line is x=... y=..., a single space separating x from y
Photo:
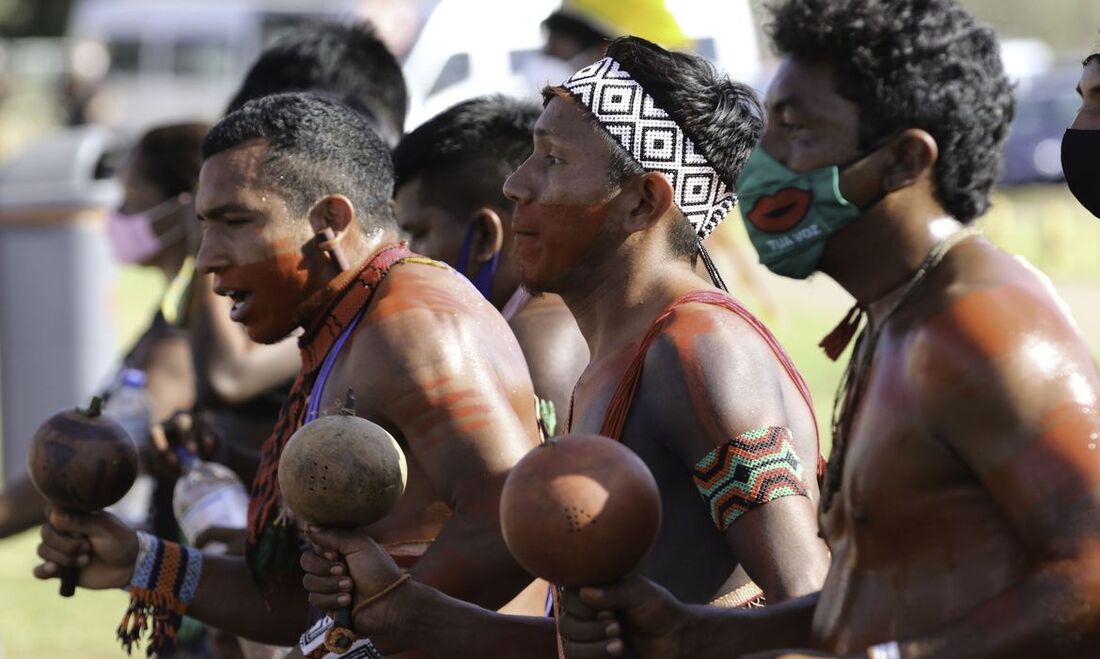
x=346 y=60
x=925 y=64
x=317 y=146
x=721 y=116
x=464 y=153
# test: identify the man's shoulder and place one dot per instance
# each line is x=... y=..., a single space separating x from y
x=722 y=347
x=421 y=291
x=423 y=312
x=1000 y=315
x=719 y=322
x=545 y=319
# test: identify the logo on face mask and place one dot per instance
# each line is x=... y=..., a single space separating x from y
x=781 y=211
x=790 y=215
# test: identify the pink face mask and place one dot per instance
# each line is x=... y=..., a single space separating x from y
x=132 y=237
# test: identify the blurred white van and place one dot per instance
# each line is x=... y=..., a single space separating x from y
x=473 y=47
x=171 y=60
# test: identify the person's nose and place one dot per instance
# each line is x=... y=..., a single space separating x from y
x=211 y=257
x=517 y=187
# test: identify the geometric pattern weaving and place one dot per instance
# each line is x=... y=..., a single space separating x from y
x=748 y=471
x=655 y=140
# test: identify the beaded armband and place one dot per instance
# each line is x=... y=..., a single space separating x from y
x=165 y=579
x=748 y=471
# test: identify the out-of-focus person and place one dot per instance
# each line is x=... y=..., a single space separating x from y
x=579 y=31
x=1081 y=143
x=154 y=227
x=243 y=382
x=449 y=177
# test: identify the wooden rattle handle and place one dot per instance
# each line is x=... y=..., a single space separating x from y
x=340 y=636
x=69 y=578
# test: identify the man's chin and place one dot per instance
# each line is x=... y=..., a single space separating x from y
x=266 y=335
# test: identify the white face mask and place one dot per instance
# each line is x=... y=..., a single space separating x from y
x=132 y=237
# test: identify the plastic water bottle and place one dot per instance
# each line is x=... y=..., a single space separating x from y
x=128 y=405
x=208 y=495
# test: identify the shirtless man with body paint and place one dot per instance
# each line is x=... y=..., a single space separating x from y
x=430 y=360
x=449 y=173
x=962 y=505
x=595 y=226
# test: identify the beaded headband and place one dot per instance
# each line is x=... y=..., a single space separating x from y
x=653 y=138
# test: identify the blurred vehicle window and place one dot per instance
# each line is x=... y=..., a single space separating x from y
x=125 y=55
x=455 y=70
x=202 y=57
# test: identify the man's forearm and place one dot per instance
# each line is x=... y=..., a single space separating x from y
x=21 y=506
x=1053 y=613
x=718 y=633
x=448 y=627
x=228 y=598
x=468 y=560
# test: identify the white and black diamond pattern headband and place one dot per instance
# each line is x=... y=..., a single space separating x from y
x=653 y=138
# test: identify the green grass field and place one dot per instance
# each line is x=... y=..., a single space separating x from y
x=1043 y=224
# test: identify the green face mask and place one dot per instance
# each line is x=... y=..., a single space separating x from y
x=790 y=215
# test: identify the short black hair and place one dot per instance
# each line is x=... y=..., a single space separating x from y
x=345 y=60
x=170 y=157
x=317 y=146
x=925 y=64
x=721 y=116
x=468 y=150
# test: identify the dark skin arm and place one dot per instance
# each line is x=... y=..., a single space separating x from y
x=649 y=622
x=1030 y=433
x=466 y=414
x=742 y=388
x=227 y=597
x=21 y=507
x=442 y=625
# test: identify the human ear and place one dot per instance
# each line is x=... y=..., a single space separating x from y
x=654 y=199
x=488 y=237
x=334 y=212
x=331 y=218
x=912 y=156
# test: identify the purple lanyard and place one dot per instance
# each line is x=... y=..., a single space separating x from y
x=314 y=407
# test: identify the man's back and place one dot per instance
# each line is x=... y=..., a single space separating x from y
x=966 y=402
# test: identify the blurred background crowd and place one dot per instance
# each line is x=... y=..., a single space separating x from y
x=80 y=80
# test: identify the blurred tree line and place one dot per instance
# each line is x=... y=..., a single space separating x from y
x=34 y=18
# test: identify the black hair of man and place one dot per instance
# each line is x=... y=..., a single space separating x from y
x=462 y=155
x=721 y=116
x=925 y=64
x=170 y=157
x=345 y=60
x=317 y=147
